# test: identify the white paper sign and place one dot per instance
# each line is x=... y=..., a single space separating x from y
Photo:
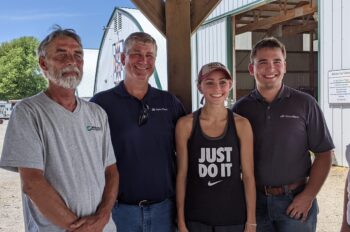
x=339 y=86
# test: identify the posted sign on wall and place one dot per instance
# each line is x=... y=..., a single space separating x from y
x=339 y=86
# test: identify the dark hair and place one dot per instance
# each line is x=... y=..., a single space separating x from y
x=268 y=42
x=57 y=32
x=140 y=37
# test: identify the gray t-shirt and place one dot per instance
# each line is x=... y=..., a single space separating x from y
x=72 y=148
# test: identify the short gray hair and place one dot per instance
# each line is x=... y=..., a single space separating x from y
x=57 y=32
x=140 y=37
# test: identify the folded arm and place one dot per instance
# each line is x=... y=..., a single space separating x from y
x=46 y=198
x=98 y=221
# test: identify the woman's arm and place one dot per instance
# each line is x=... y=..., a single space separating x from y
x=245 y=135
x=182 y=134
x=47 y=199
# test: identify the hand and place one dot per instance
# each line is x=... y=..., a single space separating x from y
x=182 y=228
x=94 y=223
x=300 y=206
x=250 y=227
x=75 y=225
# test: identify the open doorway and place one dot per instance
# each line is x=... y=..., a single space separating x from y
x=295 y=24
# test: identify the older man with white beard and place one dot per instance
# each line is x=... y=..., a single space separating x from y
x=61 y=147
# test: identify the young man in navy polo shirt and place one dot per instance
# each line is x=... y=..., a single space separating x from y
x=142 y=123
x=287 y=124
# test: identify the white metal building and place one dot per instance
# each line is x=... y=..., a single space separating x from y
x=317 y=62
x=86 y=86
x=334 y=93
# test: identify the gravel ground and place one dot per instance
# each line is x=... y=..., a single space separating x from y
x=11 y=219
x=330 y=199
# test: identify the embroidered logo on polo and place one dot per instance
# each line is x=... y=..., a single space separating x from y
x=159 y=109
x=288 y=116
x=93 y=128
x=215 y=162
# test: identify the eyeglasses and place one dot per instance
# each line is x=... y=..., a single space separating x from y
x=143 y=115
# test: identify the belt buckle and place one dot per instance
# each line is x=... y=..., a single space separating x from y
x=143 y=203
x=266 y=190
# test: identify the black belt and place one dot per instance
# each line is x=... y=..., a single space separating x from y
x=142 y=203
x=282 y=189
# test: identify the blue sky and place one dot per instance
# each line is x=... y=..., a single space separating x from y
x=35 y=18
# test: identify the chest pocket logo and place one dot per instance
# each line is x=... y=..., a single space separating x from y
x=159 y=109
x=93 y=128
x=289 y=116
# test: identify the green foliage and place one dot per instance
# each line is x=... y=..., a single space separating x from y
x=20 y=75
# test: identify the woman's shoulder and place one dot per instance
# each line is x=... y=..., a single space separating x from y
x=239 y=118
x=241 y=121
x=186 y=120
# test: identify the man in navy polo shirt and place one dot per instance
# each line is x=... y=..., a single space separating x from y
x=287 y=125
x=142 y=122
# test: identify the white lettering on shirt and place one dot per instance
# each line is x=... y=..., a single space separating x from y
x=215 y=162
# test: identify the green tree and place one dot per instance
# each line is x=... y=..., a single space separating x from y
x=20 y=75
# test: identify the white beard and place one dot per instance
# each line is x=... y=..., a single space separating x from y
x=68 y=82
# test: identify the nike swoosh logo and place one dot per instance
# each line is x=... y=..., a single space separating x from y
x=213 y=183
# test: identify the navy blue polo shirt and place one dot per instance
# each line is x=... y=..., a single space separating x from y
x=145 y=154
x=285 y=130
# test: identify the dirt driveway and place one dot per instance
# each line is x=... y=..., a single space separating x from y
x=330 y=199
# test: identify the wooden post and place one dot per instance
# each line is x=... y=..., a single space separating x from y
x=178 y=34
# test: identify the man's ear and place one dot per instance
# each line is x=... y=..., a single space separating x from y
x=251 y=69
x=285 y=67
x=42 y=63
x=122 y=58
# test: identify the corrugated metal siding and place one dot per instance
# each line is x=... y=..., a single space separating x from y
x=194 y=72
x=208 y=44
x=346 y=65
x=334 y=48
x=229 y=5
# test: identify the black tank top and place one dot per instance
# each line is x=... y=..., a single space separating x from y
x=214 y=192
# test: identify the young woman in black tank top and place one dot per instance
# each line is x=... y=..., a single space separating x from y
x=215 y=186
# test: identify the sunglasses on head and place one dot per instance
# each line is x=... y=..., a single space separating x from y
x=143 y=114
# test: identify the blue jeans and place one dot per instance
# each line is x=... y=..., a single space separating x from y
x=271 y=215
x=157 y=217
